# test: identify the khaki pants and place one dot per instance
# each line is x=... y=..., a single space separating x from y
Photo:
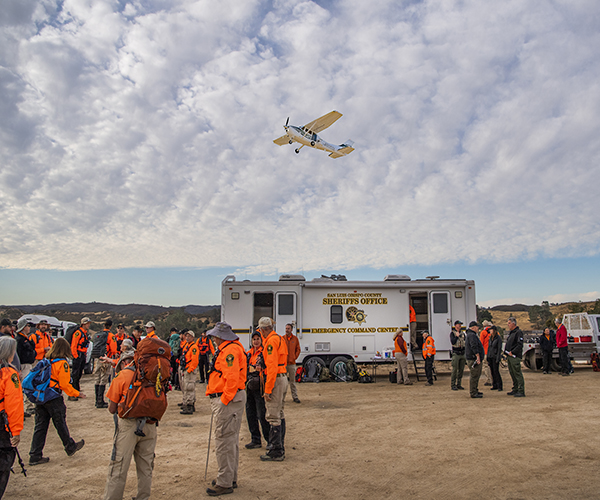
x=187 y=383
x=25 y=369
x=102 y=372
x=228 y=420
x=275 y=406
x=125 y=445
x=402 y=363
x=413 y=337
x=291 y=373
x=487 y=373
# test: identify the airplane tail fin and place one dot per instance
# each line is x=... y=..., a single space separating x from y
x=343 y=149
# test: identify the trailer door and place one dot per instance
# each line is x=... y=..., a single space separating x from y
x=440 y=319
x=285 y=311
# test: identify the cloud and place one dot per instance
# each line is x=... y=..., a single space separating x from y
x=139 y=134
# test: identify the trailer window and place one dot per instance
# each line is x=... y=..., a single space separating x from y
x=440 y=303
x=286 y=305
x=337 y=314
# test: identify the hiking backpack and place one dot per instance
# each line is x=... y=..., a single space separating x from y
x=351 y=370
x=69 y=333
x=99 y=346
x=312 y=370
x=325 y=375
x=36 y=385
x=146 y=396
x=394 y=376
x=364 y=377
x=339 y=372
x=299 y=374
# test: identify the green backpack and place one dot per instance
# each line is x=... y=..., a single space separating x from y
x=324 y=375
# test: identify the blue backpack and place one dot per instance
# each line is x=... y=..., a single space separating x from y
x=36 y=385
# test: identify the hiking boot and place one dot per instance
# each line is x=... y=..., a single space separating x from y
x=72 y=398
x=234 y=485
x=252 y=446
x=487 y=383
x=519 y=395
x=511 y=393
x=218 y=490
x=271 y=458
x=296 y=400
x=102 y=404
x=408 y=383
x=478 y=395
x=454 y=388
x=186 y=410
x=429 y=383
x=460 y=387
x=180 y=405
x=78 y=447
x=39 y=461
x=193 y=407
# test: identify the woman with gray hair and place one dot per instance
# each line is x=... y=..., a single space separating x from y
x=11 y=409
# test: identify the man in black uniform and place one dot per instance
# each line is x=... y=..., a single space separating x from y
x=514 y=352
x=474 y=353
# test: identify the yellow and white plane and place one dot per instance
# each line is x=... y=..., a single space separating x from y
x=307 y=136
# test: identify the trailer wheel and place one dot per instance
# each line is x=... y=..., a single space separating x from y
x=532 y=362
x=335 y=361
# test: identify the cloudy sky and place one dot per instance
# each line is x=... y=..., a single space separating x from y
x=136 y=139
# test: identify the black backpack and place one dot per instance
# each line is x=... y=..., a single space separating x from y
x=99 y=347
x=69 y=333
x=394 y=376
x=312 y=370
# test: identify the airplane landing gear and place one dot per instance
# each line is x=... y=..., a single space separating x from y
x=297 y=150
x=312 y=143
x=291 y=142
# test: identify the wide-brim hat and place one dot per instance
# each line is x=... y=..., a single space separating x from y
x=22 y=324
x=223 y=331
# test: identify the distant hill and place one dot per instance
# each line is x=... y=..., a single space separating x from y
x=101 y=307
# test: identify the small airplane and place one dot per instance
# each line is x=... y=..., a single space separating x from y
x=307 y=136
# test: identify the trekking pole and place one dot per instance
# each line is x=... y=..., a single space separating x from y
x=208 y=451
x=7 y=426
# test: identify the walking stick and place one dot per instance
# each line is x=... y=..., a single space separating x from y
x=208 y=451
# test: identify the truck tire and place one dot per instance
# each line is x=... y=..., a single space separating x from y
x=555 y=364
x=335 y=361
x=532 y=362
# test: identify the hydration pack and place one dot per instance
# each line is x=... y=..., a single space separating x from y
x=146 y=396
x=36 y=385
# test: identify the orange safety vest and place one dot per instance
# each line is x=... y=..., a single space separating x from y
x=41 y=340
x=400 y=347
x=428 y=347
x=190 y=354
x=228 y=375
x=79 y=343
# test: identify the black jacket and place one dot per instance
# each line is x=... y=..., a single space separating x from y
x=495 y=349
x=514 y=343
x=25 y=349
x=473 y=346
x=547 y=345
x=457 y=342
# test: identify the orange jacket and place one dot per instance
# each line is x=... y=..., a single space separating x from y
x=79 y=342
x=484 y=336
x=252 y=356
x=152 y=334
x=42 y=340
x=11 y=398
x=191 y=356
x=113 y=344
x=229 y=373
x=293 y=346
x=400 y=347
x=276 y=355
x=413 y=315
x=428 y=347
x=61 y=377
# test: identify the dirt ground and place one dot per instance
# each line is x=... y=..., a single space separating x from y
x=361 y=441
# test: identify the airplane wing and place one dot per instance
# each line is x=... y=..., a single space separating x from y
x=282 y=141
x=322 y=123
x=342 y=152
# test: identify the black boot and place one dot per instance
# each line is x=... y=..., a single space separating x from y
x=100 y=397
x=275 y=454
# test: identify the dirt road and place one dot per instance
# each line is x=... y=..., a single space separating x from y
x=355 y=441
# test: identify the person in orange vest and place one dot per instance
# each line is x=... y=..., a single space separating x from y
x=188 y=361
x=293 y=346
x=104 y=345
x=11 y=408
x=79 y=347
x=276 y=384
x=226 y=390
x=42 y=340
x=55 y=409
x=150 y=329
x=118 y=339
x=484 y=336
x=413 y=328
x=401 y=351
x=428 y=356
x=255 y=403
x=204 y=346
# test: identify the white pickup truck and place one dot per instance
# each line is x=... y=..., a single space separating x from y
x=583 y=331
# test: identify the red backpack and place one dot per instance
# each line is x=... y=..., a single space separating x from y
x=147 y=394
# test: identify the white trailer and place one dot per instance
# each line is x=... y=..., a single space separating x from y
x=351 y=319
